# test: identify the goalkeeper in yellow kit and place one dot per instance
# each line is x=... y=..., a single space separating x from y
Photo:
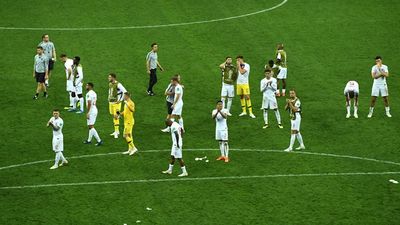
x=129 y=121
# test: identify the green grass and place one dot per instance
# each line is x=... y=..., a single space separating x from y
x=328 y=43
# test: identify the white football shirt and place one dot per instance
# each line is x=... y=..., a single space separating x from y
x=68 y=65
x=351 y=86
x=79 y=76
x=178 y=90
x=92 y=97
x=268 y=87
x=176 y=128
x=59 y=123
x=220 y=121
x=376 y=70
x=244 y=78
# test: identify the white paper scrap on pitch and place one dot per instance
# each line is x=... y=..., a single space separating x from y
x=148 y=209
x=393 y=181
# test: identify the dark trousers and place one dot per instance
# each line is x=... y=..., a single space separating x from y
x=153 y=79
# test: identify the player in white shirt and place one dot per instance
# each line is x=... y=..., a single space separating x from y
x=91 y=100
x=351 y=91
x=70 y=81
x=293 y=104
x=78 y=82
x=379 y=73
x=177 y=105
x=57 y=124
x=221 y=130
x=243 y=87
x=268 y=87
x=176 y=151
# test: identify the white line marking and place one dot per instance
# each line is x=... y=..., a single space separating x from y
x=147 y=26
x=201 y=179
x=209 y=149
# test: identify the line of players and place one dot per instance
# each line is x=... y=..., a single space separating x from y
x=379 y=73
x=269 y=87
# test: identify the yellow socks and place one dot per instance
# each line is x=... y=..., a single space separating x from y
x=130 y=142
x=243 y=103
x=248 y=102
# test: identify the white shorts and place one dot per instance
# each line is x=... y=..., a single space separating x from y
x=228 y=90
x=282 y=73
x=70 y=86
x=176 y=152
x=92 y=119
x=78 y=89
x=221 y=135
x=296 y=123
x=58 y=144
x=177 y=110
x=379 y=90
x=269 y=103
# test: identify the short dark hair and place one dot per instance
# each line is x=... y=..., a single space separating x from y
x=63 y=55
x=39 y=47
x=90 y=84
x=175 y=78
x=44 y=35
x=378 y=57
x=228 y=57
x=267 y=70
x=152 y=44
x=271 y=62
x=56 y=110
x=113 y=75
x=77 y=60
x=239 y=57
x=219 y=101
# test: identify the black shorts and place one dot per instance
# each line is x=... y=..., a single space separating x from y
x=51 y=64
x=40 y=77
x=351 y=94
x=169 y=109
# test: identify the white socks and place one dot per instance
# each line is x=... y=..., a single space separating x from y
x=229 y=105
x=72 y=101
x=183 y=169
x=355 y=109
x=278 y=116
x=387 y=109
x=170 y=167
x=221 y=148
x=57 y=160
x=226 y=148
x=81 y=100
x=180 y=121
x=371 y=110
x=93 y=132
x=300 y=139
x=292 y=139
x=265 y=116
x=348 y=109
x=59 y=156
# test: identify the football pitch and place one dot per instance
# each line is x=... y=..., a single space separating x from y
x=341 y=178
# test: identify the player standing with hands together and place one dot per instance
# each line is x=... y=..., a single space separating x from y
x=58 y=139
x=379 y=73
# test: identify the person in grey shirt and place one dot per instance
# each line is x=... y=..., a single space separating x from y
x=49 y=52
x=40 y=71
x=151 y=65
